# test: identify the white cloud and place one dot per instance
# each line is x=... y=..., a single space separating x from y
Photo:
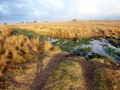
x=4 y=9
x=51 y=4
x=38 y=13
x=92 y=8
x=60 y=9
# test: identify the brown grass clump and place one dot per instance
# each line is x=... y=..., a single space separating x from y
x=47 y=45
x=106 y=75
x=107 y=79
x=14 y=51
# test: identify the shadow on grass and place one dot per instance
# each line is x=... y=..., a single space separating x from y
x=88 y=68
x=43 y=75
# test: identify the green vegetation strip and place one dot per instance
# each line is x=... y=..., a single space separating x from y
x=29 y=34
x=65 y=77
x=69 y=44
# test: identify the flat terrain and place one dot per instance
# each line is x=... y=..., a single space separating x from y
x=70 y=29
x=31 y=62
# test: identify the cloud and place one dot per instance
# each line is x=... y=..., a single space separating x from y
x=42 y=10
x=14 y=1
x=38 y=13
x=92 y=8
x=4 y=9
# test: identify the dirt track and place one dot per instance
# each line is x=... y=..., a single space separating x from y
x=36 y=77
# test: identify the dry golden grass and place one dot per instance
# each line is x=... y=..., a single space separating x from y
x=81 y=29
x=14 y=51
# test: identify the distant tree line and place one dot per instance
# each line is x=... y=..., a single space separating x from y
x=27 y=22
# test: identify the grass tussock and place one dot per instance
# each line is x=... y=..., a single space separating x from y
x=106 y=75
x=15 y=51
x=106 y=79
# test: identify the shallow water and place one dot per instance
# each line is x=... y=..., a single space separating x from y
x=52 y=39
x=97 y=46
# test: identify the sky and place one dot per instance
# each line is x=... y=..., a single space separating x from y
x=16 y=11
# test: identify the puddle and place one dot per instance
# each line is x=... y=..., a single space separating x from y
x=98 y=47
x=52 y=39
x=101 y=46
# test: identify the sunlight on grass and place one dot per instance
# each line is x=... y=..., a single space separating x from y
x=66 y=77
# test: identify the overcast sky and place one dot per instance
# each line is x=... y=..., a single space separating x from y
x=15 y=11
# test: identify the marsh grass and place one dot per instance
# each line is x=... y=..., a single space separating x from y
x=82 y=51
x=112 y=52
x=69 y=44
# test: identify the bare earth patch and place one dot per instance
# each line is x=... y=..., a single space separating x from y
x=24 y=81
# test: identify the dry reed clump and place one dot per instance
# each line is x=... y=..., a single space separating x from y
x=14 y=51
x=19 y=47
x=47 y=45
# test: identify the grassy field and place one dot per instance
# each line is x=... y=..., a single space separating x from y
x=23 y=44
x=71 y=29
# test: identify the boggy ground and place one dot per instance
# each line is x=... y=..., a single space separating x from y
x=87 y=75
